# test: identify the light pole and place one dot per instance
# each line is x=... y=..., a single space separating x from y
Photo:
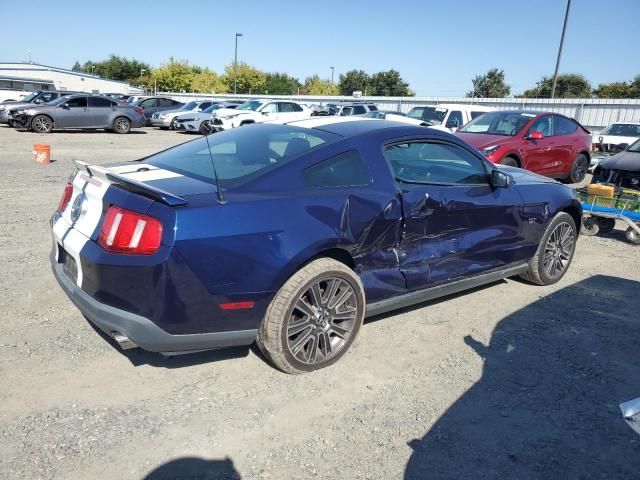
x=564 y=28
x=235 y=66
x=331 y=75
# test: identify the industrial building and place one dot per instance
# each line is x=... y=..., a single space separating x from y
x=17 y=79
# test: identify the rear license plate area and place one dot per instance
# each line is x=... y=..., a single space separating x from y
x=69 y=265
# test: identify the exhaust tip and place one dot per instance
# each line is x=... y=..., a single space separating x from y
x=125 y=342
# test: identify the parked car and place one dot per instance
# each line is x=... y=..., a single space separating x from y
x=199 y=122
x=151 y=105
x=546 y=143
x=298 y=233
x=79 y=112
x=616 y=136
x=36 y=98
x=347 y=109
x=448 y=116
x=166 y=119
x=257 y=111
x=395 y=117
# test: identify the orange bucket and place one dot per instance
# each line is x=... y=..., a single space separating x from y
x=42 y=153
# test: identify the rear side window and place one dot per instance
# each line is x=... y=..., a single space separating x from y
x=455 y=119
x=563 y=126
x=148 y=103
x=285 y=107
x=100 y=102
x=165 y=102
x=359 y=110
x=373 y=108
x=344 y=170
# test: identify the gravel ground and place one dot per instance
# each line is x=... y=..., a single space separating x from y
x=506 y=381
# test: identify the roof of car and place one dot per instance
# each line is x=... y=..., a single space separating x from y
x=348 y=126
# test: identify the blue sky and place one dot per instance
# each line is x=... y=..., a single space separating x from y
x=438 y=46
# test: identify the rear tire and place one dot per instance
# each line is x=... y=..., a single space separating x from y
x=314 y=318
x=555 y=252
x=121 y=125
x=203 y=129
x=632 y=236
x=509 y=162
x=578 y=169
x=41 y=124
x=606 y=224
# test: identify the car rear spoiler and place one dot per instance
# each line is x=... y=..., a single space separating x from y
x=131 y=185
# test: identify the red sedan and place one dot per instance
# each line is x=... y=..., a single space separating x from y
x=545 y=143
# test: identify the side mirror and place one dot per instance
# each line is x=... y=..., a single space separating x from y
x=65 y=106
x=535 y=136
x=452 y=123
x=500 y=179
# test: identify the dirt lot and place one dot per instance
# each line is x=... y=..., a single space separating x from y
x=508 y=381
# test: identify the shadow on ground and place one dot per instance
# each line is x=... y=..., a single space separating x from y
x=193 y=468
x=546 y=406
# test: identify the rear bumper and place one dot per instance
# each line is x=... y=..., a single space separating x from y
x=140 y=330
x=161 y=122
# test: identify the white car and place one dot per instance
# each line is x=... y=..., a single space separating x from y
x=616 y=134
x=259 y=111
x=198 y=122
x=448 y=116
x=166 y=118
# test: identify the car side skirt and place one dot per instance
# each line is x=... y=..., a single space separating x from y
x=443 y=290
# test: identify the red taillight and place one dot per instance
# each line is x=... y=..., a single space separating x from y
x=124 y=231
x=139 y=110
x=66 y=196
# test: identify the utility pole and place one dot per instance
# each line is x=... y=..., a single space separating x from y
x=564 y=28
x=235 y=66
x=331 y=75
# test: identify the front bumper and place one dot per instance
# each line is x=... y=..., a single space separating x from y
x=140 y=330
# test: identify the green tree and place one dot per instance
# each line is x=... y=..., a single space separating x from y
x=490 y=85
x=207 y=81
x=354 y=80
x=569 y=85
x=281 y=84
x=613 y=90
x=388 y=84
x=314 y=85
x=77 y=67
x=173 y=76
x=249 y=79
x=115 y=68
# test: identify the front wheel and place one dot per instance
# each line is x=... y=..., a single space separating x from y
x=509 y=162
x=578 y=169
x=41 y=124
x=555 y=252
x=314 y=318
x=121 y=125
x=203 y=129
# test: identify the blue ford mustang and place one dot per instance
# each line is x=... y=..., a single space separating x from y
x=289 y=235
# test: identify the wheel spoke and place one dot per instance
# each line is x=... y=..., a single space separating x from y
x=345 y=294
x=330 y=291
x=297 y=327
x=326 y=344
x=347 y=314
x=316 y=295
x=301 y=341
x=304 y=307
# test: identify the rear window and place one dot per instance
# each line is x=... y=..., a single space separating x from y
x=241 y=154
x=344 y=170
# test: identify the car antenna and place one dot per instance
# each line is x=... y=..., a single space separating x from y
x=219 y=193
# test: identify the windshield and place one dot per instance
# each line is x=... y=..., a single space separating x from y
x=622 y=130
x=240 y=154
x=189 y=106
x=498 y=123
x=430 y=114
x=250 y=105
x=213 y=108
x=30 y=97
x=635 y=147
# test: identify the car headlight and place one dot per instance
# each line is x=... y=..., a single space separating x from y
x=162 y=115
x=489 y=150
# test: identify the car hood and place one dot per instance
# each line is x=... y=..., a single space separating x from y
x=11 y=105
x=481 y=141
x=525 y=177
x=628 y=161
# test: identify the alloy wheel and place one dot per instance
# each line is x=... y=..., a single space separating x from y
x=122 y=125
x=580 y=170
x=322 y=320
x=41 y=124
x=558 y=250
